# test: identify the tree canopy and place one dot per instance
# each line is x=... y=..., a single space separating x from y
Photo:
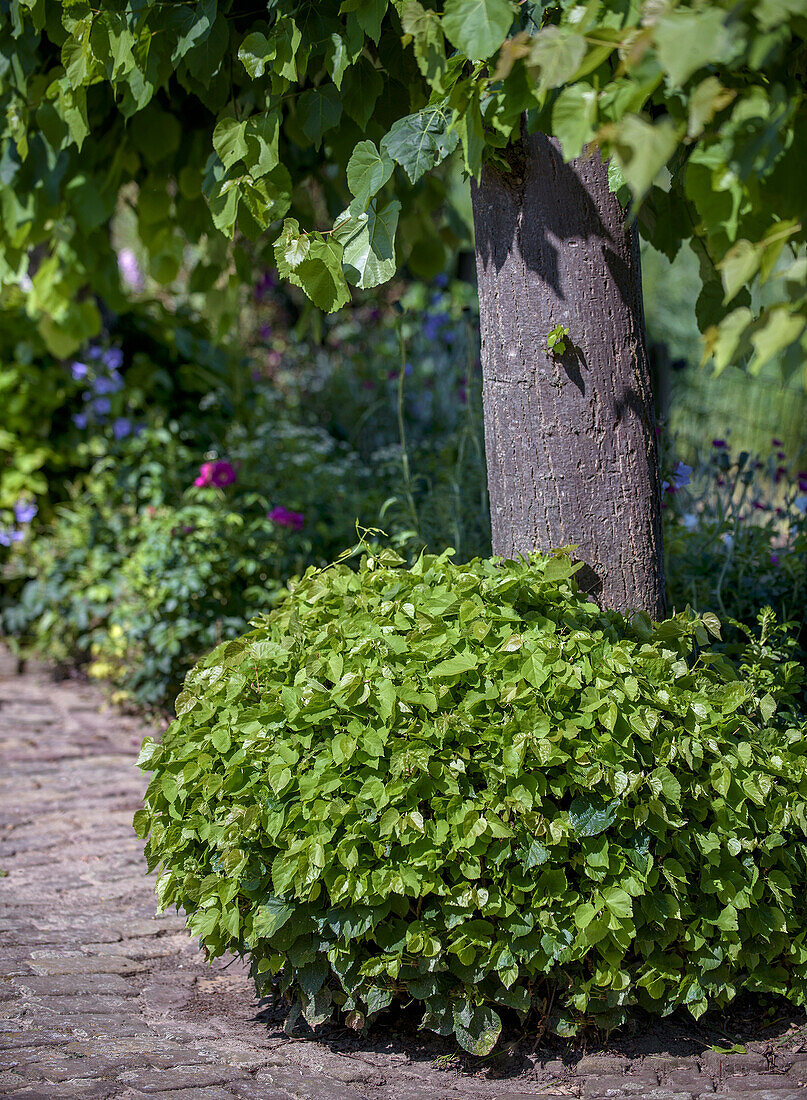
x=310 y=131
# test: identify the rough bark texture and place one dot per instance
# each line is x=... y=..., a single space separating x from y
x=570 y=440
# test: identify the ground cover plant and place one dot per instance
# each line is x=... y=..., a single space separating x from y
x=468 y=786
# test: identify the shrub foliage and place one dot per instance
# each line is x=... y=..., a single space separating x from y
x=468 y=786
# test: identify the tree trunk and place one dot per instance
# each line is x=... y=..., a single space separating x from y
x=570 y=439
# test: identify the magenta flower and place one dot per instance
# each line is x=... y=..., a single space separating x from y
x=221 y=474
x=774 y=559
x=284 y=518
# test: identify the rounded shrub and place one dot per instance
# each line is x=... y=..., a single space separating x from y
x=469 y=787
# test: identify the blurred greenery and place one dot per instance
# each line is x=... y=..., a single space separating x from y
x=702 y=405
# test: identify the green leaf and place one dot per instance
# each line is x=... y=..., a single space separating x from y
x=319 y=110
x=361 y=87
x=574 y=118
x=261 y=137
x=477 y=27
x=270 y=917
x=454 y=666
x=642 y=149
x=557 y=53
x=229 y=141
x=425 y=28
x=368 y=239
x=367 y=172
x=687 y=41
x=477 y=1028
x=589 y=815
x=421 y=141
x=779 y=329
x=320 y=275
x=738 y=267
x=254 y=52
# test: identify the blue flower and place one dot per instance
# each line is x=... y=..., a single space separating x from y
x=108 y=385
x=441 y=279
x=80 y=420
x=24 y=511
x=121 y=428
x=434 y=324
x=681 y=475
x=101 y=406
x=95 y=351
x=79 y=370
x=7 y=536
x=113 y=358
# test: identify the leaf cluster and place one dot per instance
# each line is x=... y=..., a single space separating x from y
x=321 y=127
x=467 y=786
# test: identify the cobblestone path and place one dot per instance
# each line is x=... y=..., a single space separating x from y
x=101 y=998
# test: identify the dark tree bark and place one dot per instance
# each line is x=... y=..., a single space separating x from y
x=570 y=439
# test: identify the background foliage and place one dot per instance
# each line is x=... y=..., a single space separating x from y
x=323 y=126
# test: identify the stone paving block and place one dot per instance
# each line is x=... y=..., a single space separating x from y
x=79 y=1089
x=737 y=1092
x=83 y=965
x=177 y=1077
x=760 y=1081
x=70 y=985
x=594 y=1064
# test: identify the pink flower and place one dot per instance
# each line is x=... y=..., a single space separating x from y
x=205 y=474
x=220 y=474
x=284 y=518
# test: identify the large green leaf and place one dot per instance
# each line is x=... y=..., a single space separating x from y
x=421 y=141
x=319 y=110
x=477 y=27
x=368 y=239
x=367 y=172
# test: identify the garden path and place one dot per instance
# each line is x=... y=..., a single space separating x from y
x=99 y=997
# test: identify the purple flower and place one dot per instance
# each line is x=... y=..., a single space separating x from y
x=113 y=357
x=774 y=559
x=101 y=406
x=223 y=474
x=79 y=370
x=264 y=285
x=681 y=475
x=284 y=518
x=803 y=481
x=265 y=332
x=108 y=385
x=219 y=474
x=441 y=280
x=433 y=325
x=760 y=507
x=95 y=351
x=80 y=420
x=777 y=443
x=24 y=511
x=7 y=536
x=719 y=443
x=121 y=428
x=130 y=269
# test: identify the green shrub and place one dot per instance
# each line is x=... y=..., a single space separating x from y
x=465 y=785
